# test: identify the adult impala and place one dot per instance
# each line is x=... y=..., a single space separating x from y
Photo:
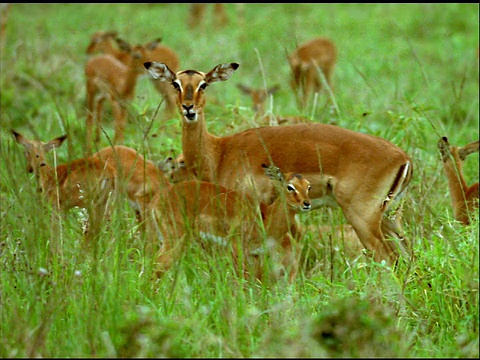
x=464 y=198
x=363 y=174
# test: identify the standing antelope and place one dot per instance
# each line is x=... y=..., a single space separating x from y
x=134 y=173
x=362 y=174
x=108 y=77
x=196 y=16
x=103 y=42
x=199 y=207
x=306 y=61
x=259 y=97
x=464 y=198
x=86 y=183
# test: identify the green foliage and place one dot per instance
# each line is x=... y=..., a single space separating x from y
x=405 y=72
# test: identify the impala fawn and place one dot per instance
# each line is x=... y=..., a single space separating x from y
x=259 y=98
x=196 y=16
x=363 y=174
x=305 y=62
x=109 y=78
x=87 y=183
x=134 y=174
x=190 y=208
x=104 y=42
x=464 y=198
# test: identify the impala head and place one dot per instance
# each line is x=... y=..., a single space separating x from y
x=35 y=150
x=190 y=85
x=100 y=41
x=461 y=153
x=259 y=96
x=137 y=52
x=296 y=188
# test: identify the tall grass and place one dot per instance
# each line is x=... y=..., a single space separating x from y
x=406 y=72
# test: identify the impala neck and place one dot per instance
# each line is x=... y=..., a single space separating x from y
x=456 y=182
x=277 y=218
x=199 y=149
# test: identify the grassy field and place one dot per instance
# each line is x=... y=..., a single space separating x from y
x=407 y=73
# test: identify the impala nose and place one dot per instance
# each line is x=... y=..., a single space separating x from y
x=189 y=112
x=306 y=205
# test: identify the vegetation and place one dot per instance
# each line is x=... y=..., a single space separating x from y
x=405 y=72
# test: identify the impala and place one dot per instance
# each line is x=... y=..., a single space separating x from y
x=198 y=207
x=362 y=174
x=259 y=97
x=86 y=183
x=134 y=173
x=464 y=198
x=109 y=78
x=196 y=16
x=306 y=61
x=104 y=42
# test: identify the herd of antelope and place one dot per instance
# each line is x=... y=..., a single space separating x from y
x=248 y=185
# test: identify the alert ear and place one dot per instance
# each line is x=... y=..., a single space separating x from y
x=221 y=72
x=159 y=71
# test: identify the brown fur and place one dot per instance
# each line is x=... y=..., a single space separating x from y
x=464 y=198
x=86 y=183
x=319 y=52
x=362 y=174
x=186 y=208
x=109 y=78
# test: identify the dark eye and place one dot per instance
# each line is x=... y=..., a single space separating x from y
x=309 y=187
x=203 y=86
x=176 y=86
x=290 y=188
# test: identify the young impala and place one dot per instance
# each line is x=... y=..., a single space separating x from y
x=109 y=78
x=196 y=16
x=362 y=174
x=86 y=183
x=464 y=198
x=306 y=61
x=106 y=42
x=134 y=173
x=197 y=207
x=259 y=98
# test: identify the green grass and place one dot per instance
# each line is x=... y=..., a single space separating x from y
x=408 y=73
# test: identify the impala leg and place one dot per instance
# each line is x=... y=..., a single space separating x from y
x=120 y=115
x=98 y=118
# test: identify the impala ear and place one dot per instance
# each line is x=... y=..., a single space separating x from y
x=55 y=143
x=221 y=72
x=123 y=45
x=273 y=89
x=468 y=149
x=22 y=140
x=159 y=71
x=273 y=173
x=245 y=89
x=153 y=44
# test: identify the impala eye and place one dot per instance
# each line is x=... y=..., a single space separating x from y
x=290 y=188
x=309 y=187
x=203 y=85
x=176 y=85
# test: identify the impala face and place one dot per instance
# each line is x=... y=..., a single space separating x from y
x=298 y=192
x=190 y=85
